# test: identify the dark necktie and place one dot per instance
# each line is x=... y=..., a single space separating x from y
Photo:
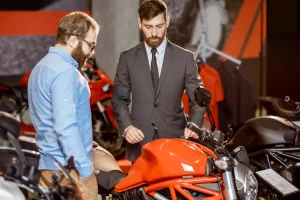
x=154 y=70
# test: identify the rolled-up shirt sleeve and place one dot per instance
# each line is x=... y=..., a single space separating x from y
x=64 y=98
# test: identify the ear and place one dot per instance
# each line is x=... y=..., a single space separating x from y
x=140 y=23
x=168 y=21
x=73 y=41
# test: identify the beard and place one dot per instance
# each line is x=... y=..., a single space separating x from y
x=155 y=41
x=79 y=55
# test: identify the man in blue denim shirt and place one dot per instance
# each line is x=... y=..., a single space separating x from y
x=59 y=102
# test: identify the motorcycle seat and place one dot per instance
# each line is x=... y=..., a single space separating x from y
x=280 y=107
x=107 y=180
x=10 y=124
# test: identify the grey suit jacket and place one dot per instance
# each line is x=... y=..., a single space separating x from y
x=163 y=109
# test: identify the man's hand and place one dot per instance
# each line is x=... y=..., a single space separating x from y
x=189 y=133
x=133 y=135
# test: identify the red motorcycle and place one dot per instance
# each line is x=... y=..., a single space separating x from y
x=180 y=169
x=105 y=131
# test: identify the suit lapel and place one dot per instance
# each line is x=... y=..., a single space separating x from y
x=169 y=54
x=144 y=64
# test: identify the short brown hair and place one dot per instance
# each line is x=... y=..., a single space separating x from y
x=75 y=23
x=151 y=8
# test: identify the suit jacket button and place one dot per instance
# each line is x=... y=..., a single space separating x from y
x=155 y=105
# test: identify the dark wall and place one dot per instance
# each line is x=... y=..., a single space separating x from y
x=283 y=49
x=28 y=29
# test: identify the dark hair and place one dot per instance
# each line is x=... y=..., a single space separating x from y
x=151 y=8
x=75 y=23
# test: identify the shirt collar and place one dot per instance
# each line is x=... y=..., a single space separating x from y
x=65 y=55
x=160 y=49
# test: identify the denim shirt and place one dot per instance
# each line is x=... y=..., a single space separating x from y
x=59 y=106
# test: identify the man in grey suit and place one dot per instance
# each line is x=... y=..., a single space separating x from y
x=156 y=72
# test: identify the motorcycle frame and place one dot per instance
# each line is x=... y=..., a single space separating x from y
x=273 y=153
x=180 y=184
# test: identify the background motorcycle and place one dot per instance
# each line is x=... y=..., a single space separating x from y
x=183 y=169
x=13 y=99
x=14 y=156
x=105 y=129
x=19 y=172
x=272 y=142
x=285 y=108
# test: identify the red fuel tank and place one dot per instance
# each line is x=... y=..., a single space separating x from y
x=166 y=159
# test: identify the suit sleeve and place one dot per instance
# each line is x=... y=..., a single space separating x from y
x=121 y=95
x=193 y=81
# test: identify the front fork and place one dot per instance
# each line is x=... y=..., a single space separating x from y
x=103 y=114
x=100 y=108
x=230 y=188
x=226 y=166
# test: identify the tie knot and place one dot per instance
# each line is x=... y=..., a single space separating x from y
x=153 y=51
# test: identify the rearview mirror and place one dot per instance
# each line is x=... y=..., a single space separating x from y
x=203 y=96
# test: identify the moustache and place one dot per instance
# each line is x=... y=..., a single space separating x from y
x=154 y=38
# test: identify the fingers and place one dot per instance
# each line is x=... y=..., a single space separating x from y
x=140 y=134
x=194 y=135
x=129 y=138
x=134 y=135
x=189 y=133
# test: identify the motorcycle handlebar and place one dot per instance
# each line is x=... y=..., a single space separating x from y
x=295 y=105
x=201 y=132
x=215 y=137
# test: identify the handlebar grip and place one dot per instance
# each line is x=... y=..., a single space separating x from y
x=295 y=106
x=201 y=132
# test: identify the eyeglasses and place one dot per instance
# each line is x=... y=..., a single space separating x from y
x=92 y=45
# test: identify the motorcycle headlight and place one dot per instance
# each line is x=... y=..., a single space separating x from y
x=251 y=186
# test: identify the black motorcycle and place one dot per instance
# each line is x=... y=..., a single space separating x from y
x=285 y=108
x=273 y=145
